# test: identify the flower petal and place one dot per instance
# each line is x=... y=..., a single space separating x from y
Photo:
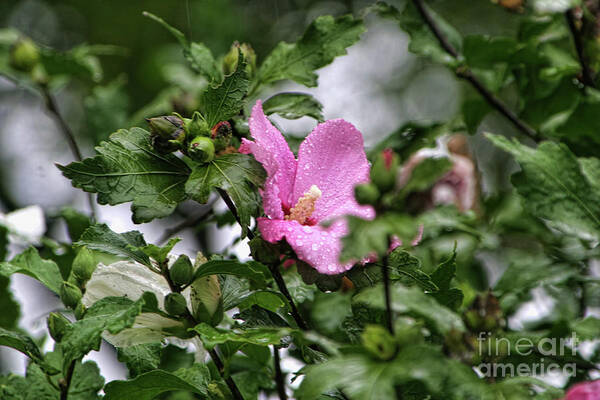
x=272 y=151
x=124 y=279
x=333 y=158
x=318 y=246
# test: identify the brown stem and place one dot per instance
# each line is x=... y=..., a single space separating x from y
x=279 y=377
x=237 y=395
x=66 y=382
x=388 y=298
x=52 y=107
x=587 y=76
x=466 y=74
x=286 y=293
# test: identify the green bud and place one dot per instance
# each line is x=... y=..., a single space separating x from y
x=57 y=325
x=385 y=169
x=79 y=311
x=166 y=126
x=164 y=146
x=379 y=342
x=230 y=61
x=84 y=265
x=70 y=294
x=182 y=271
x=202 y=149
x=221 y=134
x=196 y=126
x=24 y=55
x=175 y=304
x=207 y=301
x=366 y=193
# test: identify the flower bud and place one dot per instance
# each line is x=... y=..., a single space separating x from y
x=84 y=265
x=165 y=126
x=384 y=170
x=196 y=126
x=230 y=61
x=182 y=271
x=70 y=294
x=79 y=311
x=379 y=342
x=367 y=193
x=201 y=149
x=175 y=304
x=164 y=146
x=221 y=134
x=24 y=55
x=207 y=302
x=57 y=325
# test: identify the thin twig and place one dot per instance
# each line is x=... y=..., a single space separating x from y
x=388 y=298
x=587 y=76
x=237 y=395
x=466 y=74
x=234 y=211
x=279 y=377
x=68 y=134
x=286 y=293
x=189 y=222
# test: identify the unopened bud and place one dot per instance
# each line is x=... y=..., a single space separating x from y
x=165 y=126
x=366 y=193
x=379 y=342
x=70 y=294
x=201 y=149
x=57 y=325
x=24 y=55
x=207 y=302
x=175 y=304
x=84 y=265
x=230 y=61
x=182 y=271
x=221 y=134
x=196 y=126
x=385 y=168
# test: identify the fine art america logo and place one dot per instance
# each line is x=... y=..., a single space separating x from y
x=545 y=352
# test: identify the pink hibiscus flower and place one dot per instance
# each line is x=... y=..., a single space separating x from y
x=318 y=187
x=584 y=391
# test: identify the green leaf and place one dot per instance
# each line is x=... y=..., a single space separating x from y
x=238 y=174
x=293 y=106
x=126 y=245
x=442 y=277
x=3 y=242
x=149 y=385
x=412 y=301
x=422 y=40
x=10 y=308
x=224 y=101
x=77 y=222
x=268 y=300
x=159 y=253
x=79 y=62
x=425 y=174
x=112 y=314
x=324 y=39
x=586 y=329
x=198 y=55
x=401 y=263
x=25 y=345
x=252 y=270
x=365 y=237
x=30 y=263
x=127 y=168
x=141 y=358
x=259 y=336
x=86 y=382
x=555 y=188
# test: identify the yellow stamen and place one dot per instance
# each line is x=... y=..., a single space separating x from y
x=305 y=205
